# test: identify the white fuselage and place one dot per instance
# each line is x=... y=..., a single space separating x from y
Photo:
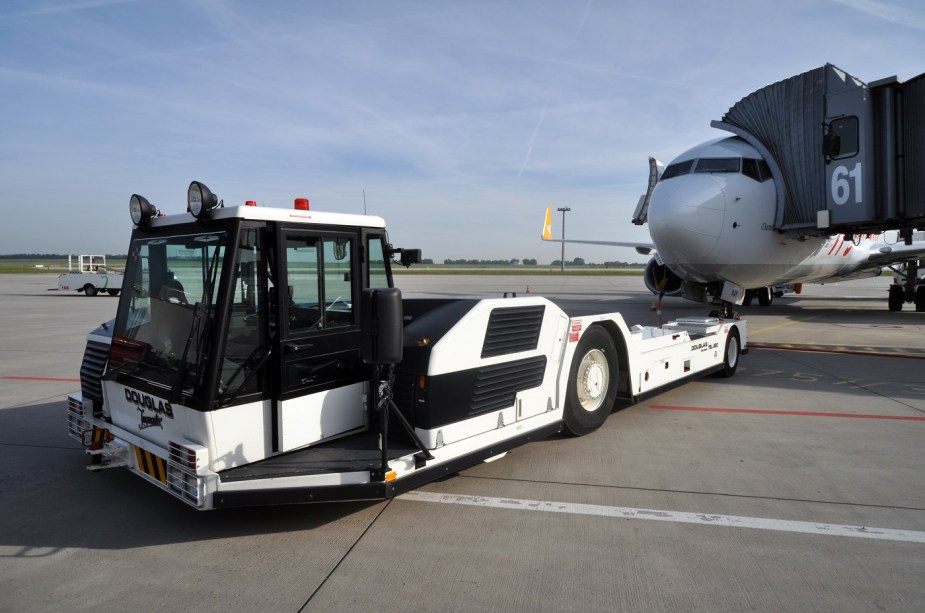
x=718 y=225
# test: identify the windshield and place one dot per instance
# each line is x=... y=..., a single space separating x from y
x=166 y=310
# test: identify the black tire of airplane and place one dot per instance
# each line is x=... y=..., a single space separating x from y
x=112 y=292
x=896 y=298
x=89 y=290
x=731 y=355
x=596 y=366
x=765 y=296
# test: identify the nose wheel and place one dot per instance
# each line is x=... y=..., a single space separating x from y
x=724 y=311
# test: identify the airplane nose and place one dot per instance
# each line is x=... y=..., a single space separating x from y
x=686 y=219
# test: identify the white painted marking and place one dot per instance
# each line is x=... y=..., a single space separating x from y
x=730 y=521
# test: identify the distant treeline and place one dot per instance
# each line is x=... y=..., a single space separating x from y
x=531 y=262
x=465 y=262
x=52 y=256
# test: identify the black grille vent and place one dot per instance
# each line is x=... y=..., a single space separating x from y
x=496 y=386
x=91 y=370
x=513 y=329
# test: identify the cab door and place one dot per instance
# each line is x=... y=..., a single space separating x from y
x=322 y=374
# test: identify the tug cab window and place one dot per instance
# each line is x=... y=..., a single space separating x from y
x=246 y=346
x=321 y=335
x=320 y=284
x=378 y=273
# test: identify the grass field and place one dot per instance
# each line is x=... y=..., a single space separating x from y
x=43 y=265
x=436 y=269
x=57 y=266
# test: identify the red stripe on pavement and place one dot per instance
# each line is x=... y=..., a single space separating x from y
x=41 y=379
x=797 y=413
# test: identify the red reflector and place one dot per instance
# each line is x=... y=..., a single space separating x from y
x=123 y=349
x=250 y=203
x=301 y=204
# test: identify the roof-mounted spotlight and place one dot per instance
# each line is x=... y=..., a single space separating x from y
x=200 y=200
x=141 y=210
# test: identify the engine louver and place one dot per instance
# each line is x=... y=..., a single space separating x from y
x=513 y=329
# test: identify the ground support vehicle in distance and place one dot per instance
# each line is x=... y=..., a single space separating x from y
x=90 y=275
x=262 y=356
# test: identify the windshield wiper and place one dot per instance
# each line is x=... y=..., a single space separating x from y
x=201 y=309
x=268 y=349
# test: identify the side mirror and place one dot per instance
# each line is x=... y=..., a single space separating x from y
x=410 y=256
x=831 y=145
x=381 y=340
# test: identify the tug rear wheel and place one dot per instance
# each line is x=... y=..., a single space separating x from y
x=592 y=384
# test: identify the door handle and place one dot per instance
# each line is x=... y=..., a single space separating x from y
x=295 y=347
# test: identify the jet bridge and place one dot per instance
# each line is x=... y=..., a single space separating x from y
x=846 y=157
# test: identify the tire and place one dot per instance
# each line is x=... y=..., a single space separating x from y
x=749 y=297
x=920 y=298
x=731 y=355
x=896 y=298
x=112 y=292
x=592 y=383
x=89 y=290
x=765 y=297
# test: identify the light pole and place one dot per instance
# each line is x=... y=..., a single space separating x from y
x=564 y=210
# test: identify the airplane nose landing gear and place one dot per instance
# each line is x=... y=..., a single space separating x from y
x=724 y=310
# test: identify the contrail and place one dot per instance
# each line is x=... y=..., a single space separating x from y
x=533 y=139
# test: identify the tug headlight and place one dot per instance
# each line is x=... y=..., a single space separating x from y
x=140 y=209
x=199 y=199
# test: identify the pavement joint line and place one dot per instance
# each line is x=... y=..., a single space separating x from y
x=664 y=407
x=706 y=519
x=877 y=352
x=62 y=379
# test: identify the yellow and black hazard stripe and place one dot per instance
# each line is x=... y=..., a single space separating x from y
x=151 y=465
x=95 y=438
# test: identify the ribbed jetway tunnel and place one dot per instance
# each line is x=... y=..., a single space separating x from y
x=845 y=156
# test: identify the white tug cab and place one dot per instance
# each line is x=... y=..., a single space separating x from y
x=262 y=356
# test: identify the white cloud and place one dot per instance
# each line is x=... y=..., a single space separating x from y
x=449 y=114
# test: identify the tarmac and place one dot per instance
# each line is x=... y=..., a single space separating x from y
x=796 y=485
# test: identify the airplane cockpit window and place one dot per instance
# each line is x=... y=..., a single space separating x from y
x=717 y=165
x=676 y=170
x=756 y=169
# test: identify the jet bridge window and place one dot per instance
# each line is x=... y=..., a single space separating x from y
x=718 y=165
x=842 y=140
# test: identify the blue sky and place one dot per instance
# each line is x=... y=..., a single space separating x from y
x=461 y=120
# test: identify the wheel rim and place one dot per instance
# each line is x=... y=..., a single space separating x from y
x=593 y=378
x=733 y=356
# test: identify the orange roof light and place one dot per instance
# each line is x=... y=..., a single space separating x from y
x=250 y=203
x=301 y=204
